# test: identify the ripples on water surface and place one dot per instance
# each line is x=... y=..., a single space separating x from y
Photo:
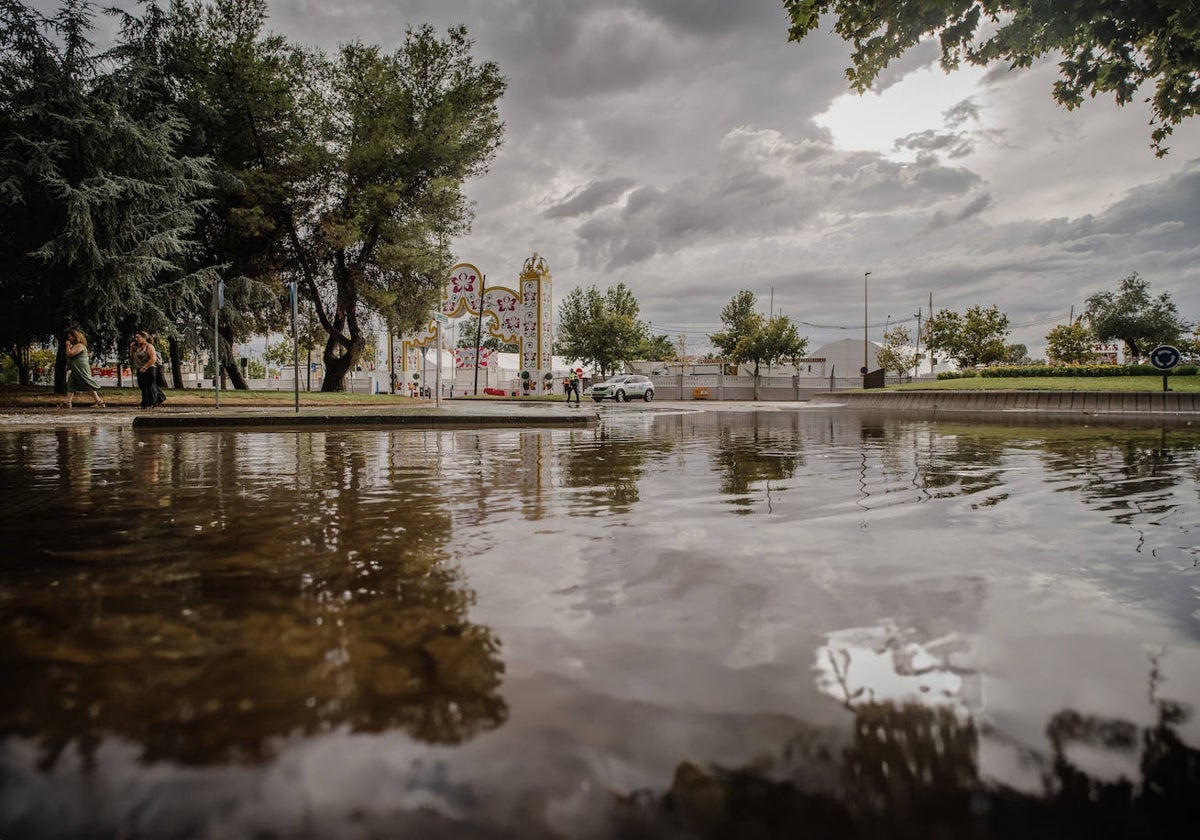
x=686 y=624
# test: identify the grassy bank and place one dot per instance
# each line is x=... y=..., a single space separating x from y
x=1050 y=383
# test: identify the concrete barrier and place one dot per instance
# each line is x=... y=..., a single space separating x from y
x=1042 y=402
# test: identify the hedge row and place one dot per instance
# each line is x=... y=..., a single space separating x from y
x=1069 y=370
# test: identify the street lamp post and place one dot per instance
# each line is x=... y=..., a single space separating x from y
x=865 y=368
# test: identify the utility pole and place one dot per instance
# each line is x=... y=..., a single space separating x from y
x=682 y=361
x=917 y=358
x=866 y=342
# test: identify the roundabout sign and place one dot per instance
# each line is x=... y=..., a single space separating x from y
x=1164 y=357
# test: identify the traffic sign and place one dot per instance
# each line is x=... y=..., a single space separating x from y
x=440 y=318
x=1164 y=357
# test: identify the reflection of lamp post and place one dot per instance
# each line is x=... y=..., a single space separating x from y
x=865 y=367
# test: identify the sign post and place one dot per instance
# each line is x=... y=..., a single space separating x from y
x=295 y=345
x=1164 y=357
x=440 y=319
x=218 y=304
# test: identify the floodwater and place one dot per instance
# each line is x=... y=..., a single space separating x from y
x=678 y=624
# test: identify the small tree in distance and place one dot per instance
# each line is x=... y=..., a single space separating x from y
x=749 y=338
x=895 y=354
x=1071 y=344
x=976 y=338
x=602 y=330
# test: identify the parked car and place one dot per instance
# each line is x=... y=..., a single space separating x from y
x=623 y=388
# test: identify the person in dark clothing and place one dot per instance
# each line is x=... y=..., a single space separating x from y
x=144 y=359
x=573 y=387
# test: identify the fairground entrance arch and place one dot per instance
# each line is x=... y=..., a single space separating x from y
x=523 y=316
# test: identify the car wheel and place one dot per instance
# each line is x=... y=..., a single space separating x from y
x=620 y=397
x=648 y=396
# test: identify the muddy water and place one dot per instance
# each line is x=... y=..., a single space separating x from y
x=676 y=624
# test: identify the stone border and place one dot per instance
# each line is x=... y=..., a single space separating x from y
x=1074 y=403
x=362 y=420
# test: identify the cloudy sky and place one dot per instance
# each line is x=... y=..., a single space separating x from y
x=687 y=149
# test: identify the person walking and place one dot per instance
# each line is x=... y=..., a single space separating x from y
x=144 y=358
x=79 y=370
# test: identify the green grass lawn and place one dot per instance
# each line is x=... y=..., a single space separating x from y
x=1055 y=383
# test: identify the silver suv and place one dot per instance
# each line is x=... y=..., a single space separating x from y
x=623 y=388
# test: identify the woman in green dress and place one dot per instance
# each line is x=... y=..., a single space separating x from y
x=79 y=369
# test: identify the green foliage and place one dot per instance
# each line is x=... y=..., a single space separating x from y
x=657 y=348
x=1067 y=371
x=1015 y=354
x=601 y=330
x=1132 y=316
x=1072 y=343
x=401 y=133
x=246 y=97
x=975 y=338
x=467 y=340
x=97 y=208
x=1107 y=46
x=750 y=338
x=895 y=354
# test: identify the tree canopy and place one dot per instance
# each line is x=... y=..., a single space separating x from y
x=896 y=355
x=97 y=205
x=976 y=338
x=199 y=146
x=753 y=339
x=1072 y=343
x=1106 y=46
x=602 y=330
x=1132 y=316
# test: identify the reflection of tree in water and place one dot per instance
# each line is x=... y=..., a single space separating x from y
x=745 y=458
x=963 y=465
x=609 y=466
x=1130 y=475
x=911 y=771
x=287 y=589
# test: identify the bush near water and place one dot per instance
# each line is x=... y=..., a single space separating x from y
x=1013 y=372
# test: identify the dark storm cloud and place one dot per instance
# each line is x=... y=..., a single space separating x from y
x=591 y=198
x=974 y=207
x=929 y=141
x=959 y=114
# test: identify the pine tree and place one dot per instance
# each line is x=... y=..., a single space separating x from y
x=96 y=204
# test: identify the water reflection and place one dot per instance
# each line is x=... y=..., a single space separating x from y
x=742 y=624
x=220 y=594
x=758 y=456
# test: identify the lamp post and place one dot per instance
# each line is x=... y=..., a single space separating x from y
x=865 y=368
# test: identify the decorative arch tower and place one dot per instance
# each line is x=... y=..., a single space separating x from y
x=523 y=316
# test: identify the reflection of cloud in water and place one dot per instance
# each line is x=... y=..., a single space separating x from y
x=884 y=664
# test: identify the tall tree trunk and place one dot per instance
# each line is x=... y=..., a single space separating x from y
x=60 y=368
x=176 y=361
x=344 y=335
x=234 y=372
x=230 y=365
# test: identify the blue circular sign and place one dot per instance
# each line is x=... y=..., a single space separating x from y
x=1164 y=357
